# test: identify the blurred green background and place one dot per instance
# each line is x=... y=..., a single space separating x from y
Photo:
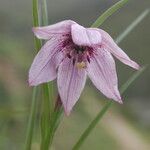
x=124 y=127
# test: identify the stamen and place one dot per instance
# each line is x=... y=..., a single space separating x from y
x=80 y=65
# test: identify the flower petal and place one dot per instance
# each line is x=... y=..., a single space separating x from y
x=113 y=48
x=47 y=32
x=85 y=36
x=43 y=68
x=70 y=82
x=102 y=72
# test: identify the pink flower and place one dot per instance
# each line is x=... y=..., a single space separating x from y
x=72 y=53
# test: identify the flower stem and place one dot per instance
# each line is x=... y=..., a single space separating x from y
x=49 y=126
x=45 y=116
x=34 y=100
x=55 y=120
x=47 y=92
x=50 y=116
x=44 y=12
x=32 y=116
x=35 y=15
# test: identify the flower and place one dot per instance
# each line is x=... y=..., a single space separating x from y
x=72 y=53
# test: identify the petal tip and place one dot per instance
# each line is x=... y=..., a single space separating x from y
x=30 y=83
x=138 y=67
x=120 y=101
x=134 y=65
x=33 y=29
x=67 y=111
x=118 y=98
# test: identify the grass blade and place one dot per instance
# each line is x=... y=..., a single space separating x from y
x=30 y=127
x=132 y=25
x=35 y=15
x=44 y=15
x=49 y=117
x=45 y=117
x=108 y=13
x=47 y=91
x=34 y=100
x=131 y=79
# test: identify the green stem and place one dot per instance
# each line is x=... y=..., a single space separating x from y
x=31 y=121
x=35 y=15
x=44 y=15
x=55 y=121
x=50 y=126
x=49 y=116
x=47 y=107
x=34 y=101
x=45 y=117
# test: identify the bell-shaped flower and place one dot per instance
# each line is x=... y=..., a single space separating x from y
x=72 y=53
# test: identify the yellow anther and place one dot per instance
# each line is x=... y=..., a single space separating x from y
x=80 y=65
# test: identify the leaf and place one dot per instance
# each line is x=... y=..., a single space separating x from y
x=132 y=79
x=35 y=15
x=132 y=26
x=31 y=121
x=108 y=13
x=32 y=116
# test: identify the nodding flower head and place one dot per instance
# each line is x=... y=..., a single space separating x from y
x=72 y=53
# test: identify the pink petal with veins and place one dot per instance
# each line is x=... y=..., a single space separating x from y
x=47 y=32
x=113 y=48
x=102 y=72
x=70 y=81
x=43 y=68
x=85 y=36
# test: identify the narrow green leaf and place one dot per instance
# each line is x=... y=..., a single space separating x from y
x=51 y=128
x=55 y=121
x=132 y=25
x=131 y=79
x=47 y=102
x=44 y=15
x=35 y=15
x=46 y=107
x=31 y=121
x=108 y=13
x=50 y=117
x=45 y=117
x=34 y=100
